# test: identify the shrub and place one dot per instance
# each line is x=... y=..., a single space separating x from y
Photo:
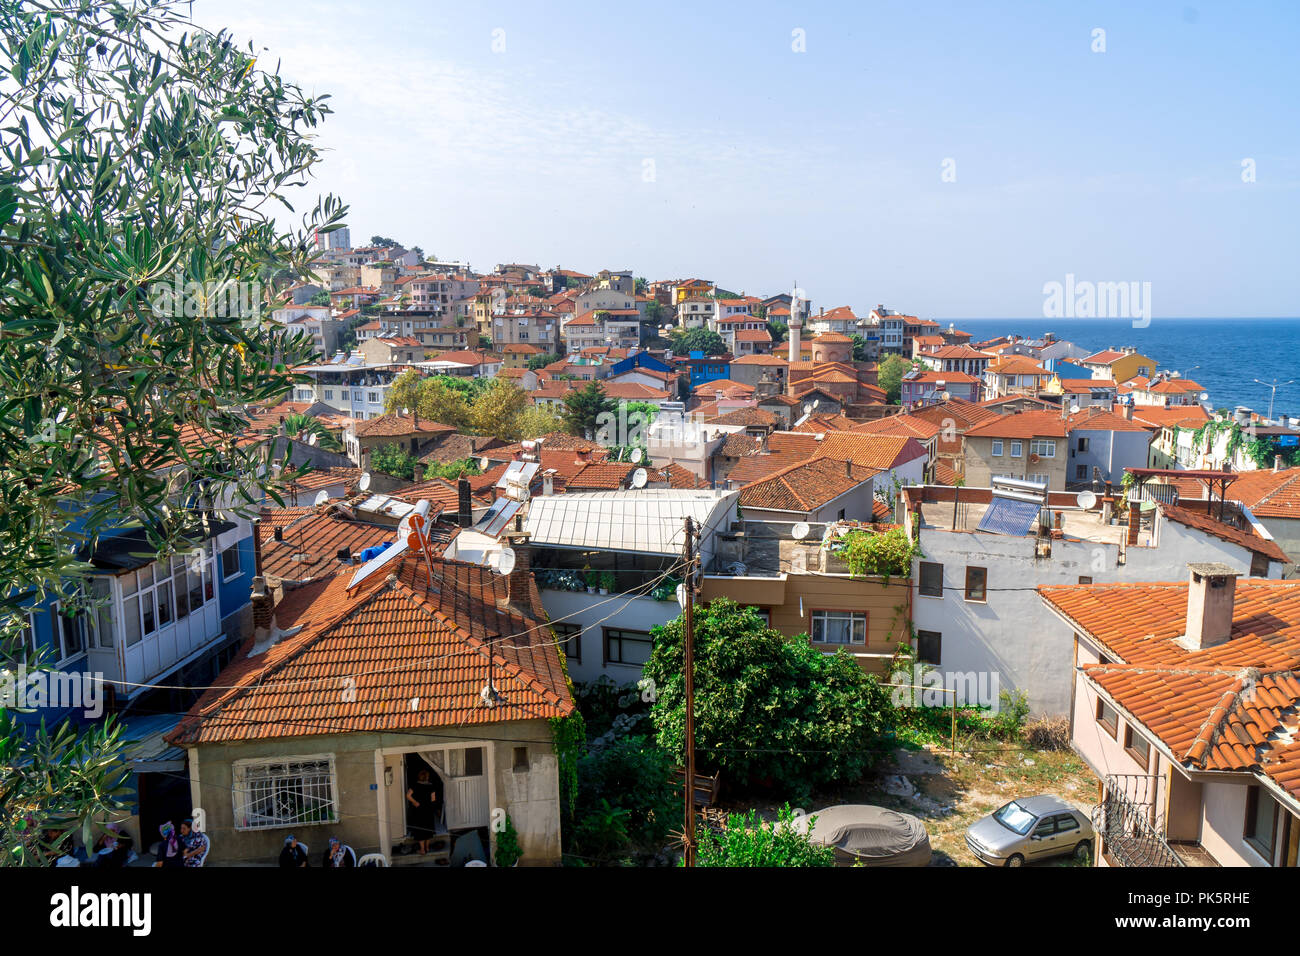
x=770 y=711
x=1048 y=733
x=748 y=841
x=628 y=798
x=508 y=850
x=1010 y=718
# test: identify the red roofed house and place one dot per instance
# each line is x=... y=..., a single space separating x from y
x=926 y=386
x=343 y=694
x=1014 y=375
x=1186 y=703
x=1027 y=445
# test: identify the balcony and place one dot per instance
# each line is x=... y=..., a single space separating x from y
x=1130 y=826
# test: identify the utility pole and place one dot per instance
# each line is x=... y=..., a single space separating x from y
x=688 y=590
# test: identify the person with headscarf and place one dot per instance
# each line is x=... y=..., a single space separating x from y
x=195 y=842
x=338 y=855
x=170 y=852
x=293 y=855
x=112 y=849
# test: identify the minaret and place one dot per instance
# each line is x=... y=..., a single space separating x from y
x=796 y=323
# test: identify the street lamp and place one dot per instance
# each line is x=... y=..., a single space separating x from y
x=1275 y=386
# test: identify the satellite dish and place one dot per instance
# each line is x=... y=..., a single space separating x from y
x=312 y=439
x=639 y=478
x=945 y=396
x=364 y=483
x=505 y=562
x=800 y=531
x=1205 y=396
x=322 y=497
x=816 y=402
x=1074 y=409
x=1087 y=500
x=637 y=456
x=681 y=595
x=483 y=463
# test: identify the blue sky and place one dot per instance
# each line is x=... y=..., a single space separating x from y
x=823 y=166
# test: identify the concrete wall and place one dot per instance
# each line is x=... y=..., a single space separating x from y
x=1013 y=633
x=1112 y=452
x=596 y=611
x=982 y=465
x=531 y=799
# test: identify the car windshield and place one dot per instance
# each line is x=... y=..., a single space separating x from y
x=1015 y=818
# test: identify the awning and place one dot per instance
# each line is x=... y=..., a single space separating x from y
x=131 y=549
x=146 y=751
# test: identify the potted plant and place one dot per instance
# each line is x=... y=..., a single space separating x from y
x=606 y=581
x=593 y=579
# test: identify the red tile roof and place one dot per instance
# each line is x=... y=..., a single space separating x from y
x=1020 y=425
x=415 y=657
x=1204 y=522
x=752 y=416
x=1268 y=493
x=805 y=486
x=393 y=425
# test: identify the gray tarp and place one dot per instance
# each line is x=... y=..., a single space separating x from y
x=873 y=836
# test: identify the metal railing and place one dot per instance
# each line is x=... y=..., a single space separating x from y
x=1129 y=823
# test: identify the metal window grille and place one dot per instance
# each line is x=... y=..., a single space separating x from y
x=285 y=793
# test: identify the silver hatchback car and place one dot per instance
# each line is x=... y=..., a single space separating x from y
x=1029 y=830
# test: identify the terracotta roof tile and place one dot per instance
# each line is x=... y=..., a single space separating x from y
x=805 y=486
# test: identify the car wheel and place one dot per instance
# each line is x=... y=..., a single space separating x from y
x=1083 y=851
x=1015 y=859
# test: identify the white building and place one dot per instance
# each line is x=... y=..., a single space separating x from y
x=975 y=606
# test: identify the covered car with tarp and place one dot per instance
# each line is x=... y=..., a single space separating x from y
x=869 y=836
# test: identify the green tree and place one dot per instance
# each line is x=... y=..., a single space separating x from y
x=145 y=160
x=537 y=420
x=393 y=460
x=320 y=298
x=701 y=340
x=889 y=376
x=769 y=709
x=540 y=361
x=497 y=409
x=383 y=242
x=778 y=331
x=405 y=391
x=452 y=470
x=859 y=348
x=583 y=408
x=748 y=841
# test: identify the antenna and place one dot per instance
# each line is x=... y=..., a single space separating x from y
x=800 y=531
x=483 y=463
x=1087 y=500
x=637 y=456
x=364 y=483
x=322 y=497
x=505 y=562
x=639 y=478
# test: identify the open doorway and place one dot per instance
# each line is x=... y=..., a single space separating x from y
x=424 y=785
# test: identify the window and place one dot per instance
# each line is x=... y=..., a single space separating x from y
x=931 y=579
x=1107 y=716
x=230 y=562
x=466 y=762
x=1137 y=746
x=929 y=647
x=1043 y=448
x=372 y=398
x=626 y=647
x=569 y=637
x=1085 y=579
x=329 y=394
x=69 y=631
x=520 y=763
x=976 y=584
x=1065 y=823
x=839 y=627
x=1017 y=449
x=997 y=448
x=1081 y=472
x=1083 y=444
x=1261 y=822
x=295 y=791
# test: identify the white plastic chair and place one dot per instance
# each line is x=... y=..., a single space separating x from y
x=373 y=859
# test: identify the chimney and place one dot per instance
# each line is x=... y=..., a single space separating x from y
x=1128 y=411
x=418 y=474
x=518 y=541
x=1210 y=594
x=263 y=608
x=848 y=469
x=1134 y=521
x=464 y=509
x=1277 y=462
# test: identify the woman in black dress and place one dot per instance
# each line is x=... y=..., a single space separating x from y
x=423 y=814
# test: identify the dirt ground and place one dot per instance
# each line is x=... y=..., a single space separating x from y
x=950 y=793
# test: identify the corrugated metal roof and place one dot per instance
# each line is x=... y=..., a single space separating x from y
x=649 y=521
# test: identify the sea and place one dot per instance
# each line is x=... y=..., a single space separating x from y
x=1225 y=356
